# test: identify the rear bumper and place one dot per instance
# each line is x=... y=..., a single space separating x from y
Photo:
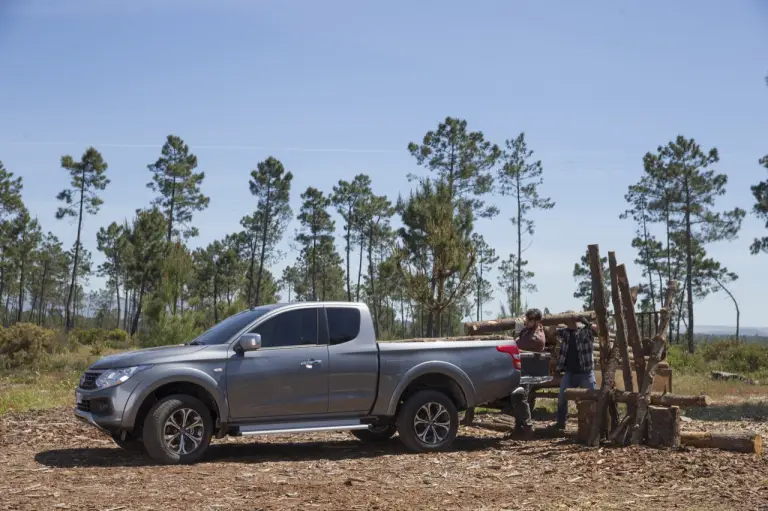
x=534 y=380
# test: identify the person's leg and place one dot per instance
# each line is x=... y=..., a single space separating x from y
x=562 y=402
x=522 y=411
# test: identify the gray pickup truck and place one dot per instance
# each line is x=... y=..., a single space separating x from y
x=288 y=368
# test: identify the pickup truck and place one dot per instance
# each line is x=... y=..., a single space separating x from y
x=289 y=368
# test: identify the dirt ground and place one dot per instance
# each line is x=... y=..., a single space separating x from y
x=50 y=461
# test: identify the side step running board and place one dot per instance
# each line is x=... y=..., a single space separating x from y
x=301 y=427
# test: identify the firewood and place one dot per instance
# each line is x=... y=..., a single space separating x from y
x=656 y=399
x=607 y=387
x=747 y=441
x=504 y=324
x=663 y=426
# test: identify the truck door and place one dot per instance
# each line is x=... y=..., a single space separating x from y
x=354 y=357
x=288 y=376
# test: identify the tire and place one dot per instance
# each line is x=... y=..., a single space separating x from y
x=175 y=410
x=418 y=436
x=376 y=434
x=130 y=443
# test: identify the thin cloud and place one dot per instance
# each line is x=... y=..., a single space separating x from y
x=211 y=146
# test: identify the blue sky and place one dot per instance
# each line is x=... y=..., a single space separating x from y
x=336 y=88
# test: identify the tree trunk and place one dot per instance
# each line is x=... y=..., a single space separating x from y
x=21 y=289
x=135 y=324
x=69 y=321
x=42 y=294
x=215 y=297
x=738 y=314
x=348 y=236
x=264 y=234
x=117 y=290
x=360 y=266
x=519 y=246
x=747 y=441
x=251 y=268
x=371 y=278
x=170 y=211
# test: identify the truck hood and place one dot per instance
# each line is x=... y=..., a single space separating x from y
x=159 y=355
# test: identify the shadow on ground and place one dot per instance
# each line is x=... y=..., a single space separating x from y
x=748 y=410
x=255 y=452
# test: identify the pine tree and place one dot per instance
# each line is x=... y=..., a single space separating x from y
x=520 y=179
x=760 y=209
x=88 y=177
x=349 y=198
x=109 y=242
x=583 y=277
x=694 y=187
x=316 y=230
x=511 y=275
x=148 y=245
x=271 y=185
x=178 y=187
x=484 y=263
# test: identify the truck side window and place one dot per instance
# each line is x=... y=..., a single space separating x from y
x=343 y=324
x=291 y=328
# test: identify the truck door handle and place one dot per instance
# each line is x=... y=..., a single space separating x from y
x=309 y=364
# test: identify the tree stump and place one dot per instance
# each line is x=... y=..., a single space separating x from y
x=663 y=426
x=586 y=410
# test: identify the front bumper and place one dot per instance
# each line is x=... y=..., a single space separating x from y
x=103 y=408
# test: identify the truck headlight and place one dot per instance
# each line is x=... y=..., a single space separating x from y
x=112 y=377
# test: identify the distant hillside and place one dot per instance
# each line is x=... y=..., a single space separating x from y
x=745 y=331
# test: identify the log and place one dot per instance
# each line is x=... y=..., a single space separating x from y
x=586 y=412
x=747 y=441
x=501 y=325
x=621 y=325
x=598 y=300
x=633 y=292
x=663 y=426
x=633 y=331
x=604 y=400
x=645 y=389
x=656 y=399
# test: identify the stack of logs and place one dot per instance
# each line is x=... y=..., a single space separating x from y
x=651 y=418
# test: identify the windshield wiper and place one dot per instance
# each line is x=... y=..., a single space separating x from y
x=194 y=343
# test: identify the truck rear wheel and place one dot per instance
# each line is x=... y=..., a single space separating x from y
x=428 y=421
x=177 y=430
x=375 y=433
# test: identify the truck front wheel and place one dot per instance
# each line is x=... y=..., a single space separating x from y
x=428 y=421
x=177 y=430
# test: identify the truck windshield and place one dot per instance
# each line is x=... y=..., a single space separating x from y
x=223 y=331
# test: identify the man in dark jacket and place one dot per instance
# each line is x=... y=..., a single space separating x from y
x=575 y=363
x=531 y=339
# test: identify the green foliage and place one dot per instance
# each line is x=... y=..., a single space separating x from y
x=484 y=263
x=749 y=359
x=271 y=185
x=170 y=330
x=512 y=273
x=760 y=209
x=178 y=187
x=583 y=277
x=350 y=200
x=25 y=344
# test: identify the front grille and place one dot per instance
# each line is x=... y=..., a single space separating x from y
x=84 y=406
x=88 y=380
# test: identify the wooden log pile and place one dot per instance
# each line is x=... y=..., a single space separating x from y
x=652 y=418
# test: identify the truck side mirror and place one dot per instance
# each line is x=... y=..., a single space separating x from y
x=248 y=342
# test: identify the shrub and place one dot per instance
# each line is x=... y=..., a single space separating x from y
x=171 y=330
x=116 y=339
x=731 y=356
x=25 y=344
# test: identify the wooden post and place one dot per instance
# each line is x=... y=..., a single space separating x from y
x=605 y=398
x=659 y=346
x=633 y=332
x=664 y=426
x=656 y=399
x=621 y=326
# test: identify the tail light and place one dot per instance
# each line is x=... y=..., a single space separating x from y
x=514 y=352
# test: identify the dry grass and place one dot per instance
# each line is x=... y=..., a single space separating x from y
x=50 y=384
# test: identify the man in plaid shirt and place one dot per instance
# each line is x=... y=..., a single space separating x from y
x=576 y=364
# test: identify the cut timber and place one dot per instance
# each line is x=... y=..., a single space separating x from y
x=586 y=411
x=501 y=325
x=663 y=426
x=656 y=399
x=633 y=331
x=604 y=399
x=621 y=326
x=738 y=442
x=659 y=346
x=598 y=299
